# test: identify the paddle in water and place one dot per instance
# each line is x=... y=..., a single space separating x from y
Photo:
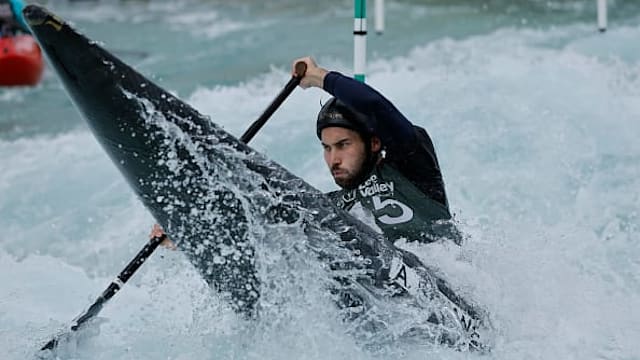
x=110 y=291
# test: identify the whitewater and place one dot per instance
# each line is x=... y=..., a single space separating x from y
x=533 y=113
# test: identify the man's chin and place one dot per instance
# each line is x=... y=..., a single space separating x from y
x=350 y=180
x=345 y=183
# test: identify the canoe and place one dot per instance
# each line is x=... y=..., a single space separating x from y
x=21 y=62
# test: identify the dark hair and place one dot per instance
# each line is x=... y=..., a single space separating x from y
x=337 y=113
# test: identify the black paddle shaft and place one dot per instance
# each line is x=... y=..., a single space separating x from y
x=300 y=69
x=112 y=289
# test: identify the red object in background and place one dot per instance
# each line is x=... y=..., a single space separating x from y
x=21 y=61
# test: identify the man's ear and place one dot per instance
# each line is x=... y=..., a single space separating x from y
x=376 y=144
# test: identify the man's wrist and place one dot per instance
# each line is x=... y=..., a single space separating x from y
x=318 y=77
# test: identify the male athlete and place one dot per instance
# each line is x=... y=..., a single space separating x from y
x=386 y=166
x=389 y=177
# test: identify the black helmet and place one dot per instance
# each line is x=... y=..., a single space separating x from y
x=337 y=113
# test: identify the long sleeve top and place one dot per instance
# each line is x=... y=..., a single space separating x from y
x=408 y=148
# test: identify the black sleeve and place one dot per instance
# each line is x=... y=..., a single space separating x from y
x=393 y=129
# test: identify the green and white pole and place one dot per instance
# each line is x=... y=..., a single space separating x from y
x=360 y=39
x=602 y=15
x=379 y=16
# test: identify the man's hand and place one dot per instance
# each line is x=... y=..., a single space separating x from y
x=158 y=232
x=314 y=77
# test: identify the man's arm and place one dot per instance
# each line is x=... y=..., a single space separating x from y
x=394 y=130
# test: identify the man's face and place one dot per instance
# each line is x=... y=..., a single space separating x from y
x=345 y=154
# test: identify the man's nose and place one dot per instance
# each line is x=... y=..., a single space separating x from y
x=335 y=158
